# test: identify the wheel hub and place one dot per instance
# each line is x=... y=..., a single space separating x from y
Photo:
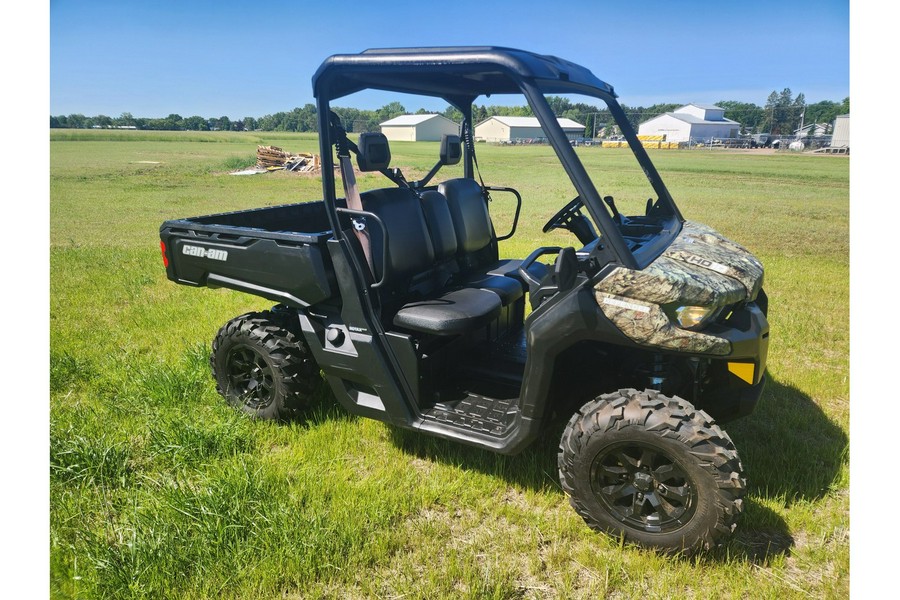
x=643 y=487
x=643 y=481
x=250 y=377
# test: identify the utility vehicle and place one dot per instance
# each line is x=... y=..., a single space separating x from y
x=640 y=334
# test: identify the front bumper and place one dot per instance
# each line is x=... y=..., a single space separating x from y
x=747 y=333
x=735 y=382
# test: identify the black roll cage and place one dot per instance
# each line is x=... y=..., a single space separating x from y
x=459 y=76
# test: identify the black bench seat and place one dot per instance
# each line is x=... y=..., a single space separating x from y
x=456 y=312
x=418 y=291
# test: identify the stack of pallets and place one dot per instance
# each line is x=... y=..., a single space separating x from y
x=273 y=158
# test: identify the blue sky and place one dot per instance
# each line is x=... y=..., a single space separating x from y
x=249 y=59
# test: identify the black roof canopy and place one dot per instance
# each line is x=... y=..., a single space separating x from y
x=453 y=73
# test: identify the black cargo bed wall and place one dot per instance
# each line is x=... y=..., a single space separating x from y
x=306 y=217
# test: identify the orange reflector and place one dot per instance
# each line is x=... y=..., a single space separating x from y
x=742 y=370
x=162 y=246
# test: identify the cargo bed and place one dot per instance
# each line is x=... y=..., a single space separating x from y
x=276 y=252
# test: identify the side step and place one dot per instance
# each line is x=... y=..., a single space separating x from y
x=476 y=413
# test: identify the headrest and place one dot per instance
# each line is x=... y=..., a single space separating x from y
x=374 y=152
x=451 y=149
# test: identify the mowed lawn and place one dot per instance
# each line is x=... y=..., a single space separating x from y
x=159 y=490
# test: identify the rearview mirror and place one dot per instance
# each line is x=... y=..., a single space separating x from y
x=451 y=149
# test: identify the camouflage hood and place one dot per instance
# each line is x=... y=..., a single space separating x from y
x=700 y=268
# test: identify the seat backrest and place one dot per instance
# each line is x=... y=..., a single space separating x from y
x=440 y=225
x=469 y=212
x=410 y=250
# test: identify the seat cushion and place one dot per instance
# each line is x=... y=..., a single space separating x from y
x=453 y=313
x=507 y=288
x=510 y=268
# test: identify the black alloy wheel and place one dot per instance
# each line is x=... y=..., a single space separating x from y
x=643 y=487
x=250 y=377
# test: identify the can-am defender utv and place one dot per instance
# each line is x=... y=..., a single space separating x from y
x=400 y=298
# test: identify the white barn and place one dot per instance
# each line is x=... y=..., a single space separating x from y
x=696 y=122
x=418 y=128
x=510 y=129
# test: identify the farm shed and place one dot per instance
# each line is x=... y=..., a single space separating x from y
x=841 y=136
x=696 y=122
x=418 y=128
x=510 y=129
x=812 y=130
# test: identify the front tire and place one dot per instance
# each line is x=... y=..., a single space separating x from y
x=262 y=367
x=652 y=469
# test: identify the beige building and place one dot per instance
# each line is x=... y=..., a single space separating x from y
x=418 y=128
x=512 y=129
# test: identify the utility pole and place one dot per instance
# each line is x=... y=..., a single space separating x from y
x=596 y=114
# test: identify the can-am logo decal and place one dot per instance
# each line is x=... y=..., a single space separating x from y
x=713 y=266
x=204 y=252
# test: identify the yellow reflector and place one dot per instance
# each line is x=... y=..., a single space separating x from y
x=742 y=370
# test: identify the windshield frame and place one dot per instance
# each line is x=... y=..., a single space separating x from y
x=664 y=207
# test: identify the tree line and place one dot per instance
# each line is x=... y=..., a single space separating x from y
x=782 y=114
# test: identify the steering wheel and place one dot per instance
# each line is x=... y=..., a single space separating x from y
x=572 y=219
x=563 y=218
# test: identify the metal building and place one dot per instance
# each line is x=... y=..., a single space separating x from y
x=841 y=136
x=692 y=122
x=517 y=129
x=418 y=128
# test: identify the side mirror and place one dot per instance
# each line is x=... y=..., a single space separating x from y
x=374 y=152
x=451 y=149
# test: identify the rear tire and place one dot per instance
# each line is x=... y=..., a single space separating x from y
x=262 y=367
x=652 y=470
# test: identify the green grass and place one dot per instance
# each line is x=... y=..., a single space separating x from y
x=158 y=489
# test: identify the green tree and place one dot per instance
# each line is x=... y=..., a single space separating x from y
x=770 y=122
x=174 y=121
x=749 y=115
x=453 y=113
x=76 y=121
x=389 y=111
x=124 y=120
x=559 y=105
x=195 y=123
x=798 y=112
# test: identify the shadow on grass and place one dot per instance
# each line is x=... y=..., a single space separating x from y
x=790 y=450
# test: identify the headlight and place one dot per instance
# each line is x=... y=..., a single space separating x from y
x=692 y=317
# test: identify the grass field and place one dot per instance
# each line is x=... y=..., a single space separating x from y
x=157 y=489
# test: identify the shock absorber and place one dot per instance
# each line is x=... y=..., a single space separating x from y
x=658 y=373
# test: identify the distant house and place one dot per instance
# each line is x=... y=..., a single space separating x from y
x=512 y=129
x=840 y=138
x=696 y=122
x=418 y=128
x=812 y=130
